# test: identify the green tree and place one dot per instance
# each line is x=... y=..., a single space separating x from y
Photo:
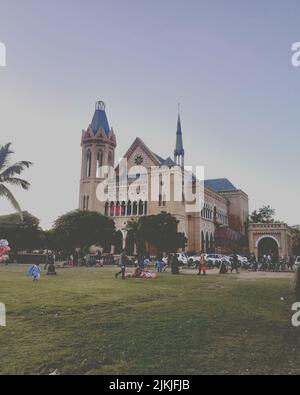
x=159 y=230
x=81 y=229
x=9 y=176
x=25 y=235
x=295 y=231
x=264 y=214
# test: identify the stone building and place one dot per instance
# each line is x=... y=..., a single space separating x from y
x=270 y=238
x=218 y=226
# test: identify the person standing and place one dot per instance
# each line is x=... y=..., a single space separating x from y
x=140 y=262
x=34 y=272
x=122 y=265
x=175 y=265
x=235 y=263
x=202 y=265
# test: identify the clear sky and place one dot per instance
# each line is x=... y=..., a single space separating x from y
x=227 y=62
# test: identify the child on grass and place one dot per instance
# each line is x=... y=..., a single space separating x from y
x=34 y=272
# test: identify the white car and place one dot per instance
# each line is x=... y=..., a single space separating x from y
x=226 y=259
x=182 y=258
x=242 y=259
x=213 y=259
x=297 y=261
x=194 y=258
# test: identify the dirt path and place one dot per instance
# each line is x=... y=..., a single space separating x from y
x=246 y=275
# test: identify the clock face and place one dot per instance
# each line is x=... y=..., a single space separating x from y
x=138 y=160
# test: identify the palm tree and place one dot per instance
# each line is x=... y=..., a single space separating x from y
x=8 y=176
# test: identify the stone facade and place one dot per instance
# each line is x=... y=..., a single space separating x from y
x=225 y=206
x=274 y=238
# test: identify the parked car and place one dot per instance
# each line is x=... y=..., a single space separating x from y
x=243 y=261
x=297 y=261
x=194 y=258
x=182 y=258
x=213 y=260
x=226 y=259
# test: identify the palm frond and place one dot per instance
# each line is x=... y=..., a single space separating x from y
x=5 y=192
x=11 y=171
x=19 y=182
x=5 y=153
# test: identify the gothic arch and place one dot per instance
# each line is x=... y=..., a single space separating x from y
x=206 y=242
x=88 y=163
x=266 y=236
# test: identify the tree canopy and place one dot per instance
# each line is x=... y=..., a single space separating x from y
x=159 y=230
x=295 y=230
x=81 y=229
x=264 y=214
x=24 y=234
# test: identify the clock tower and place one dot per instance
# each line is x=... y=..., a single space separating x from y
x=98 y=143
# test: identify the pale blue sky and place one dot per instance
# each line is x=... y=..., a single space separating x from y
x=228 y=63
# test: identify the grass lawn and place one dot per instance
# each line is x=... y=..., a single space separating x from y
x=83 y=321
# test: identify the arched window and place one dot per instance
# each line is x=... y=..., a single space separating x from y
x=106 y=209
x=206 y=242
x=134 y=208
x=141 y=207
x=159 y=200
x=110 y=158
x=87 y=202
x=112 y=208
x=99 y=163
x=117 y=209
x=88 y=163
x=123 y=209
x=83 y=206
x=129 y=211
x=202 y=242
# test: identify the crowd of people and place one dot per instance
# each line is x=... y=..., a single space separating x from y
x=270 y=263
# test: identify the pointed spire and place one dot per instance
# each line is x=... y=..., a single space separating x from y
x=179 y=151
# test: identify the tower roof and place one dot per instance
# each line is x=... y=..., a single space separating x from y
x=179 y=142
x=100 y=119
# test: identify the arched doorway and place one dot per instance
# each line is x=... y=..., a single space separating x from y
x=202 y=242
x=207 y=242
x=211 y=243
x=268 y=245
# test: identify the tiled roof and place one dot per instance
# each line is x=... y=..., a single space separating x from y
x=219 y=185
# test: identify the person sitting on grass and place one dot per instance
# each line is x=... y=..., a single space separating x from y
x=51 y=269
x=35 y=272
x=136 y=271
